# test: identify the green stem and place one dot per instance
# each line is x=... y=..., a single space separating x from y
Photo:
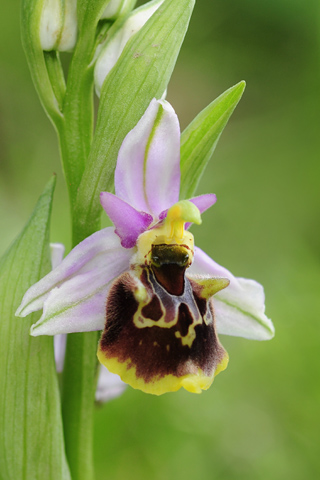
x=79 y=376
x=76 y=135
x=78 y=388
x=80 y=368
x=78 y=109
x=78 y=391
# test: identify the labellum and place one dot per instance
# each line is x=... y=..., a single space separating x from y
x=160 y=330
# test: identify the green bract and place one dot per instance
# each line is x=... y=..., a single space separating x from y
x=200 y=138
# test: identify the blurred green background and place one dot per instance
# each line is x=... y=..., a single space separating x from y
x=260 y=419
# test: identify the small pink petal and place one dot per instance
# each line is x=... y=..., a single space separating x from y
x=203 y=202
x=128 y=221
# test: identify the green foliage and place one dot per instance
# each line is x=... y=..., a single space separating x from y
x=199 y=139
x=31 y=437
x=89 y=13
x=141 y=73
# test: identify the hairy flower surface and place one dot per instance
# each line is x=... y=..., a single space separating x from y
x=143 y=282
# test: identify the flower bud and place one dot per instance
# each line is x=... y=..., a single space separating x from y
x=119 y=36
x=58 y=25
x=115 y=8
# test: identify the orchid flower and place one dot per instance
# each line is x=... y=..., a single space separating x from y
x=143 y=283
x=109 y=385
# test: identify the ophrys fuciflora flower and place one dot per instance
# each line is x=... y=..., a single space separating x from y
x=144 y=283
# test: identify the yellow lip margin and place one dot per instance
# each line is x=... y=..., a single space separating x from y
x=193 y=383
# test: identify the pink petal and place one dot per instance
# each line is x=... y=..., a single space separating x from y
x=203 y=202
x=79 y=303
x=147 y=175
x=128 y=221
x=89 y=254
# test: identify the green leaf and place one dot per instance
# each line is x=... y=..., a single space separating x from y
x=141 y=73
x=31 y=436
x=200 y=138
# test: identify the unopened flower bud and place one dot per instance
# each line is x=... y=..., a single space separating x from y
x=115 y=43
x=115 y=8
x=58 y=25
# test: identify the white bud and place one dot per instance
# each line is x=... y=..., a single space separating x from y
x=58 y=25
x=115 y=8
x=119 y=36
